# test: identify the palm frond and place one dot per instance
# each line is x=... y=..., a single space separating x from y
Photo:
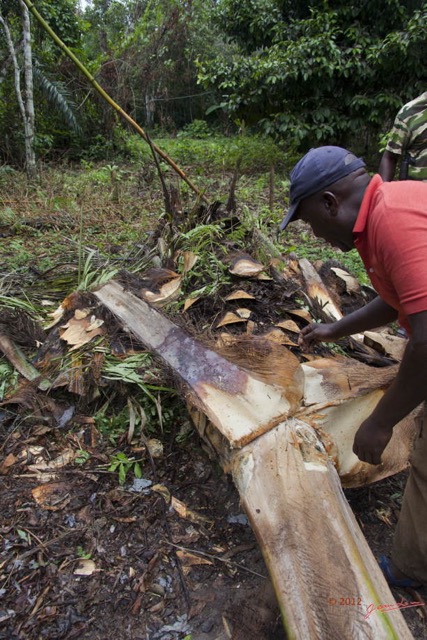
x=201 y=237
x=57 y=94
x=128 y=371
x=10 y=302
x=91 y=274
x=8 y=377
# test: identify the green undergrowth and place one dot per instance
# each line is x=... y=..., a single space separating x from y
x=108 y=209
x=204 y=152
x=304 y=244
x=81 y=224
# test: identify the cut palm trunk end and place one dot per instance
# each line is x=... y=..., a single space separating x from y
x=325 y=576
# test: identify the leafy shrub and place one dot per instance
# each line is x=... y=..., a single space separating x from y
x=7 y=174
x=197 y=129
x=255 y=153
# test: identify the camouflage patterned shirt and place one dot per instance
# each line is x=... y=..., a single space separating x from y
x=409 y=135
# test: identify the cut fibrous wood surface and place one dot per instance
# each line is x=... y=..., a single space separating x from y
x=283 y=468
x=240 y=405
x=318 y=293
x=339 y=394
x=323 y=570
x=390 y=345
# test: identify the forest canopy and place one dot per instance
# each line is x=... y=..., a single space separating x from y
x=303 y=73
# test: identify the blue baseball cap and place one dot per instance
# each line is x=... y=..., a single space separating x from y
x=318 y=169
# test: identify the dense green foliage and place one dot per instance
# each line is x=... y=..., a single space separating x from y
x=322 y=71
x=145 y=52
x=301 y=72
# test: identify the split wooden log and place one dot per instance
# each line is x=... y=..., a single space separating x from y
x=339 y=394
x=323 y=571
x=325 y=576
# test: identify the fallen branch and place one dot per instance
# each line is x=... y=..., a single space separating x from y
x=15 y=356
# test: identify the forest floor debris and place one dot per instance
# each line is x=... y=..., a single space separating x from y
x=110 y=530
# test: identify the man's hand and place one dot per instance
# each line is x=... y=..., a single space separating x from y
x=317 y=333
x=374 y=314
x=370 y=441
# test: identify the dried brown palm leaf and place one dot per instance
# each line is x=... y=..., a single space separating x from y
x=189 y=302
x=300 y=313
x=349 y=282
x=244 y=265
x=229 y=318
x=239 y=294
x=168 y=292
x=79 y=332
x=289 y=325
x=244 y=313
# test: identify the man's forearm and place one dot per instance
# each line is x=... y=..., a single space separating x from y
x=408 y=389
x=375 y=314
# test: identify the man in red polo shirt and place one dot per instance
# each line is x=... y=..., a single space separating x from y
x=387 y=223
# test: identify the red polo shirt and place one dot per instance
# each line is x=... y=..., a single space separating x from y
x=390 y=235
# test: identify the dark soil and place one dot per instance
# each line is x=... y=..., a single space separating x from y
x=151 y=572
x=83 y=557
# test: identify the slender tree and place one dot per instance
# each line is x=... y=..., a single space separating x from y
x=46 y=86
x=25 y=98
x=29 y=118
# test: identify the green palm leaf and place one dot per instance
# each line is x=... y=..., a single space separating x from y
x=57 y=94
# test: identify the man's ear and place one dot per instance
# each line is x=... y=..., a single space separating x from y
x=330 y=202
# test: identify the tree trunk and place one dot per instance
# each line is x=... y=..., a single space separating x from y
x=26 y=106
x=29 y=94
x=150 y=110
x=323 y=571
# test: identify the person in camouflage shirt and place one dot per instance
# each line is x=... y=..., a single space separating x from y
x=407 y=141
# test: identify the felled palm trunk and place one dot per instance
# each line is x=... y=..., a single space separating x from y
x=325 y=576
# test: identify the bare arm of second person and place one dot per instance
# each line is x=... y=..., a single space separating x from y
x=388 y=165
